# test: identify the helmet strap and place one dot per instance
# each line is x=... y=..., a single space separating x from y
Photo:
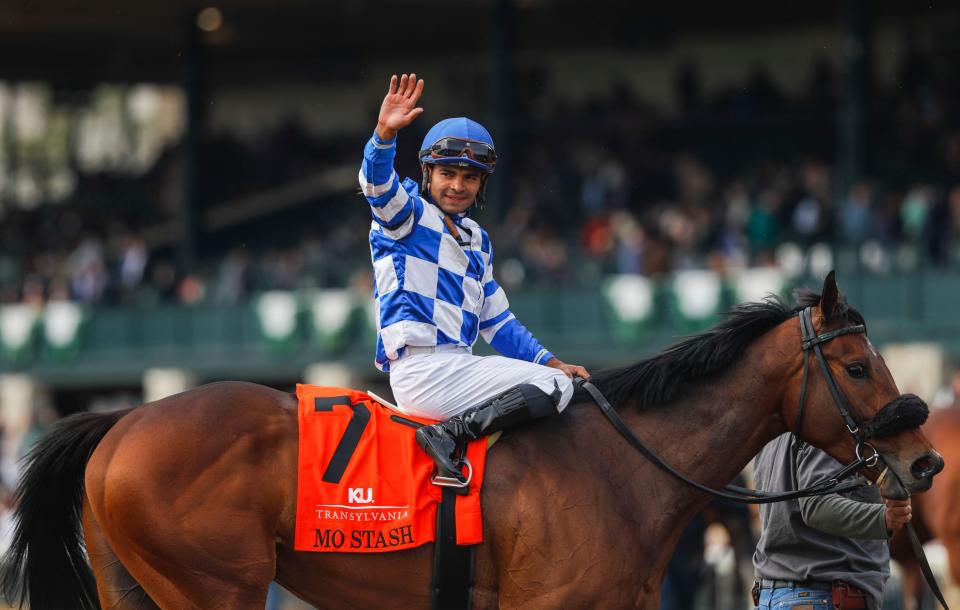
x=481 y=200
x=425 y=172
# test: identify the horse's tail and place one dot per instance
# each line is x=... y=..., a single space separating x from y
x=46 y=563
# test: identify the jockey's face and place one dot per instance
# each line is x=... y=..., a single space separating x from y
x=454 y=189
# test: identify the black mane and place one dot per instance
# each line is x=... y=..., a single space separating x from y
x=661 y=380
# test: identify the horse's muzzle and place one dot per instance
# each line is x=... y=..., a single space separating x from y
x=902 y=414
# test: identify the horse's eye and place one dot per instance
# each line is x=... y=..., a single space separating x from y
x=857 y=370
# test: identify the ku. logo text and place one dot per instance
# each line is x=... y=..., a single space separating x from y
x=355 y=495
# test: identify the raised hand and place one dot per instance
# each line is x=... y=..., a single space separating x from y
x=399 y=107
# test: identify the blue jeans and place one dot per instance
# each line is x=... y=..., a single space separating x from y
x=786 y=598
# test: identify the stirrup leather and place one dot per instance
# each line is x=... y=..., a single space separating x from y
x=445 y=481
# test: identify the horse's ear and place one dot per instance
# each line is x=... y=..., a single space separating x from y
x=829 y=297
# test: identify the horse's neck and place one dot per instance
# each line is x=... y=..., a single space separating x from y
x=711 y=434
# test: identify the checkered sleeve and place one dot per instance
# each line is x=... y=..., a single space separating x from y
x=500 y=328
x=392 y=207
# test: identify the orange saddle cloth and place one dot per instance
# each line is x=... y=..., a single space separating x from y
x=363 y=484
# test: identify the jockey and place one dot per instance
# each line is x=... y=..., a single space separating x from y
x=434 y=290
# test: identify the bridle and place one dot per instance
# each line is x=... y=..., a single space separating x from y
x=810 y=341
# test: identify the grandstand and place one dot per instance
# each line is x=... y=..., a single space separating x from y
x=178 y=198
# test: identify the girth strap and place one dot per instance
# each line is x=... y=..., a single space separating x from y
x=452 y=586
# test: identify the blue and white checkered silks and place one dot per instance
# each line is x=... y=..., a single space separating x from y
x=429 y=290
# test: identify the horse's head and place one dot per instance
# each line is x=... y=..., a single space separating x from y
x=853 y=408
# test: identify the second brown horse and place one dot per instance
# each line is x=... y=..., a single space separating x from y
x=936 y=514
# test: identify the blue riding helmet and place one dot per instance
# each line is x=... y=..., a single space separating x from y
x=461 y=128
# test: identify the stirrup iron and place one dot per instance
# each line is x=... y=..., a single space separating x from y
x=444 y=481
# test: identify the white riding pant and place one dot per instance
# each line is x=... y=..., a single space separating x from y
x=448 y=380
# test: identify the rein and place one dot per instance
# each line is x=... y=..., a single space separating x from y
x=730 y=492
x=835 y=484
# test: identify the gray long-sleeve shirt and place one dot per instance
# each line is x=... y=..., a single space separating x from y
x=826 y=538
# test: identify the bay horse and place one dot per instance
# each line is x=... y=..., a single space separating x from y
x=188 y=502
x=936 y=513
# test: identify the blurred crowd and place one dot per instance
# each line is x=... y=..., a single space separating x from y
x=610 y=184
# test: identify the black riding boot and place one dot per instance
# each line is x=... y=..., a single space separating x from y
x=445 y=442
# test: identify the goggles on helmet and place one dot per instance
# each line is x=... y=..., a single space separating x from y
x=459 y=147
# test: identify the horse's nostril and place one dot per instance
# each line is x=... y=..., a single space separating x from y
x=924 y=468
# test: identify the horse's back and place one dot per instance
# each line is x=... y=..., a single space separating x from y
x=215 y=465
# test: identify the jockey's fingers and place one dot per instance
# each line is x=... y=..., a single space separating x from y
x=393 y=85
x=417 y=92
